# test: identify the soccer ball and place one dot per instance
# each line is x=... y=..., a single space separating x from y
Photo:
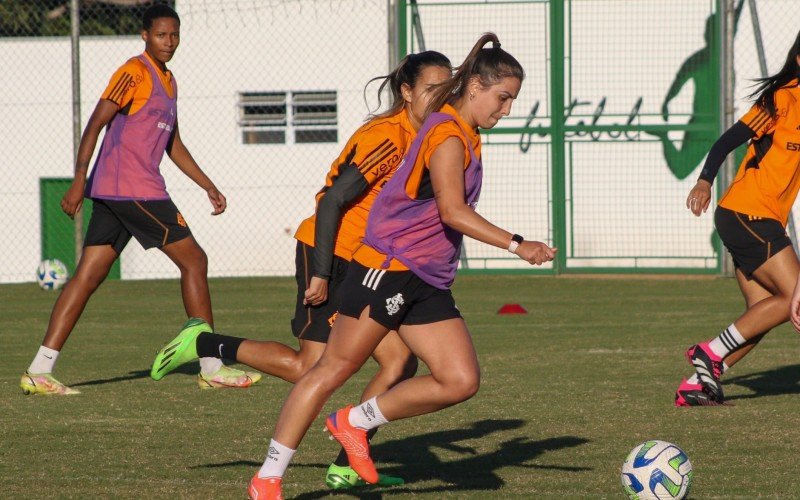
x=656 y=470
x=51 y=274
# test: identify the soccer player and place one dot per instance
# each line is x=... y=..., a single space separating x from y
x=751 y=218
x=130 y=199
x=400 y=276
x=325 y=245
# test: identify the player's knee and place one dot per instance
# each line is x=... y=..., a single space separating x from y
x=336 y=373
x=781 y=308
x=302 y=366
x=199 y=260
x=195 y=261
x=463 y=386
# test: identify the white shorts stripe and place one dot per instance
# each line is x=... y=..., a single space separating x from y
x=367 y=277
x=377 y=279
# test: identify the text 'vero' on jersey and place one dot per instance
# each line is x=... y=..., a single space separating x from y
x=376 y=149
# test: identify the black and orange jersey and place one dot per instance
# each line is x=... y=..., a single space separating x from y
x=131 y=84
x=418 y=185
x=768 y=179
x=376 y=150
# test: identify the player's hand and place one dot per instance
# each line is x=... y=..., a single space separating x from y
x=317 y=292
x=217 y=199
x=73 y=199
x=794 y=308
x=536 y=252
x=699 y=197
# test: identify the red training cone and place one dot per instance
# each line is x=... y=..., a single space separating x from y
x=512 y=309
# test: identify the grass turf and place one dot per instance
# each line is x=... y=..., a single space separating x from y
x=567 y=390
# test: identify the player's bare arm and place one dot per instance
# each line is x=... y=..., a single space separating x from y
x=180 y=155
x=102 y=114
x=447 y=177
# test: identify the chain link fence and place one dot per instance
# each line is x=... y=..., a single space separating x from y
x=270 y=90
x=268 y=93
x=622 y=101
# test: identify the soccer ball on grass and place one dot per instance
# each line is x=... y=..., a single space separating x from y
x=656 y=470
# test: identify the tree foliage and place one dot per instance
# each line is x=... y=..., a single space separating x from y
x=31 y=18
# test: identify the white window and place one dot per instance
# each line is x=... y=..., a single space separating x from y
x=288 y=117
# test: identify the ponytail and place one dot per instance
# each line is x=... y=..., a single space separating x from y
x=407 y=72
x=764 y=94
x=490 y=65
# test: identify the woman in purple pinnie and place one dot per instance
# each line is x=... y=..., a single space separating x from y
x=400 y=277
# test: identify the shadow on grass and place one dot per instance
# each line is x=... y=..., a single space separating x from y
x=776 y=382
x=414 y=459
x=187 y=369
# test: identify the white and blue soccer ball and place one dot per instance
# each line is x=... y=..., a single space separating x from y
x=51 y=274
x=656 y=470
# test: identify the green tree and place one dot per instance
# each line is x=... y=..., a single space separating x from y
x=28 y=18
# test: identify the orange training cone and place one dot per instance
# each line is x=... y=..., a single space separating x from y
x=512 y=309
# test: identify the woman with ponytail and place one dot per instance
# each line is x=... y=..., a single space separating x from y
x=751 y=220
x=325 y=245
x=400 y=276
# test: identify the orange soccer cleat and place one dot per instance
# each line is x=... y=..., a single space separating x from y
x=355 y=444
x=265 y=488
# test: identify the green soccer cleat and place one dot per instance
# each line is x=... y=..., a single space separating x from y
x=227 y=377
x=45 y=384
x=179 y=350
x=342 y=478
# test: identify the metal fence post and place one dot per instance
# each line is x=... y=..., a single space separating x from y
x=75 y=21
x=557 y=155
x=727 y=105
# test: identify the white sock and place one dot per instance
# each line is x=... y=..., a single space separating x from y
x=367 y=415
x=277 y=460
x=210 y=366
x=695 y=380
x=44 y=361
x=728 y=341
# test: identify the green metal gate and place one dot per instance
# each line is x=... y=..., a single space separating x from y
x=620 y=104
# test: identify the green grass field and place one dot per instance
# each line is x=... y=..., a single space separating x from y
x=567 y=390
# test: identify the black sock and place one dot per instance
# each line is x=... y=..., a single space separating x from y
x=214 y=345
x=341 y=460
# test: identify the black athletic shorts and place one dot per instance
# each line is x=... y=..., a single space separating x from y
x=394 y=298
x=750 y=240
x=315 y=322
x=153 y=223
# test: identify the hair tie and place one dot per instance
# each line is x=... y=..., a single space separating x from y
x=495 y=45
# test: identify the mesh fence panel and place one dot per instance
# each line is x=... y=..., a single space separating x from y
x=626 y=190
x=268 y=94
x=641 y=82
x=271 y=90
x=516 y=187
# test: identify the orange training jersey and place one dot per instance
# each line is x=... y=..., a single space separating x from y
x=419 y=179
x=768 y=179
x=376 y=149
x=131 y=84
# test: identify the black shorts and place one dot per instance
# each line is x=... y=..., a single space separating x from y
x=750 y=240
x=315 y=322
x=394 y=298
x=153 y=223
